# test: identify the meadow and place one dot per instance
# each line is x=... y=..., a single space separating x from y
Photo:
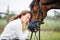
x=2 y=25
x=46 y=35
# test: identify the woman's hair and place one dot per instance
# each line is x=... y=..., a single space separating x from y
x=19 y=15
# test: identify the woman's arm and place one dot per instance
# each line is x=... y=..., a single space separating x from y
x=20 y=34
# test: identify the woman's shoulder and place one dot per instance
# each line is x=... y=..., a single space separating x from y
x=15 y=21
x=13 y=24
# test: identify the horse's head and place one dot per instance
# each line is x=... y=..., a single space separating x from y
x=36 y=15
x=36 y=11
x=34 y=6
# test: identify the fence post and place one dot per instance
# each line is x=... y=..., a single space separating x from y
x=7 y=13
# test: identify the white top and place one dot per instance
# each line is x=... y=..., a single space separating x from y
x=13 y=30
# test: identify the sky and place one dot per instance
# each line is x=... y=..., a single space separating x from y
x=14 y=5
x=18 y=6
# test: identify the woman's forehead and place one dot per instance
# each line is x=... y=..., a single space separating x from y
x=28 y=14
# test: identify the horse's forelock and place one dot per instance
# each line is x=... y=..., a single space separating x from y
x=33 y=3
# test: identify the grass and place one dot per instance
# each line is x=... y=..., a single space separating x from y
x=50 y=24
x=50 y=35
x=47 y=35
x=2 y=25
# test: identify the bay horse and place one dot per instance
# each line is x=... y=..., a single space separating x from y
x=39 y=8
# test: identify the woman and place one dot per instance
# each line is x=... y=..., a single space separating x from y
x=15 y=28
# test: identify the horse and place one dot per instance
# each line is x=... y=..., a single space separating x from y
x=39 y=8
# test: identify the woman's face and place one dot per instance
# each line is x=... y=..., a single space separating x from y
x=26 y=18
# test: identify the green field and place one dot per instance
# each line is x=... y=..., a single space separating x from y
x=47 y=35
x=50 y=35
x=44 y=35
x=50 y=24
x=2 y=25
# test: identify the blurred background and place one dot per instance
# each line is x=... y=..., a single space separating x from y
x=50 y=30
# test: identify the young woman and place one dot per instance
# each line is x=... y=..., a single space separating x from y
x=15 y=28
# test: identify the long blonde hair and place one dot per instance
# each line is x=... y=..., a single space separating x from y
x=19 y=15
